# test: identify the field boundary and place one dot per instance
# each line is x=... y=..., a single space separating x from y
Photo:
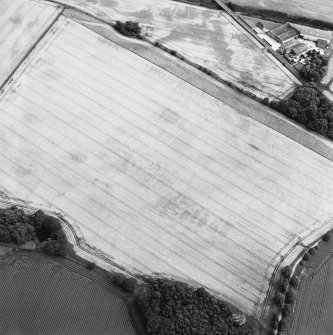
x=269 y=117
x=135 y=319
x=32 y=47
x=309 y=270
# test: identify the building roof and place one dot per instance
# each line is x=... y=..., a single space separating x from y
x=281 y=29
x=288 y=35
x=260 y=25
x=313 y=32
x=284 y=32
x=322 y=44
x=299 y=48
x=299 y=66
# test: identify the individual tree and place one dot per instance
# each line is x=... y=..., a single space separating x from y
x=286 y=271
x=283 y=285
x=279 y=299
x=286 y=310
x=306 y=257
x=282 y=325
x=130 y=284
x=327 y=237
x=290 y=296
x=295 y=281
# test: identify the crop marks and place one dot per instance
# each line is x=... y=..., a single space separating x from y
x=22 y=22
x=209 y=38
x=154 y=172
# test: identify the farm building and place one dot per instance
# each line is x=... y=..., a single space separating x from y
x=322 y=44
x=299 y=48
x=312 y=34
x=260 y=25
x=284 y=33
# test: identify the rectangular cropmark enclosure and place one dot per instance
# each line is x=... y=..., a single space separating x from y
x=154 y=172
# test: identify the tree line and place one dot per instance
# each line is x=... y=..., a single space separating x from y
x=129 y=28
x=315 y=68
x=44 y=230
x=171 y=307
x=310 y=108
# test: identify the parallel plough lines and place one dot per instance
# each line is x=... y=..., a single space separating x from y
x=162 y=102
x=193 y=161
x=22 y=23
x=41 y=297
x=152 y=171
x=193 y=263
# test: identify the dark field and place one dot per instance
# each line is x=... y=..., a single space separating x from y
x=40 y=297
x=313 y=313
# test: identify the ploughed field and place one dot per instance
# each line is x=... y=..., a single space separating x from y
x=320 y=10
x=40 y=297
x=206 y=37
x=152 y=171
x=22 y=22
x=313 y=311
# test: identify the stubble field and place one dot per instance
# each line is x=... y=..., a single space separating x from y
x=154 y=172
x=40 y=297
x=22 y=22
x=206 y=37
x=320 y=10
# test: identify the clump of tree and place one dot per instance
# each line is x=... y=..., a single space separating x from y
x=327 y=237
x=309 y=107
x=128 y=284
x=171 y=307
x=44 y=230
x=15 y=226
x=129 y=28
x=49 y=233
x=316 y=66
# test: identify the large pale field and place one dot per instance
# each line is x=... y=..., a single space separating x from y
x=157 y=174
x=320 y=10
x=22 y=22
x=207 y=37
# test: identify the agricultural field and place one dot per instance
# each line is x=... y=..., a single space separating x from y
x=313 y=312
x=209 y=38
x=40 y=297
x=320 y=10
x=22 y=22
x=154 y=172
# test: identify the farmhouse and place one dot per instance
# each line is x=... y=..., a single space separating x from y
x=299 y=48
x=284 y=33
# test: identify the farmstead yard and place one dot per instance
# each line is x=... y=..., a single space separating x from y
x=155 y=173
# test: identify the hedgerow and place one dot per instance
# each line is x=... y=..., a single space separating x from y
x=176 y=308
x=44 y=230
